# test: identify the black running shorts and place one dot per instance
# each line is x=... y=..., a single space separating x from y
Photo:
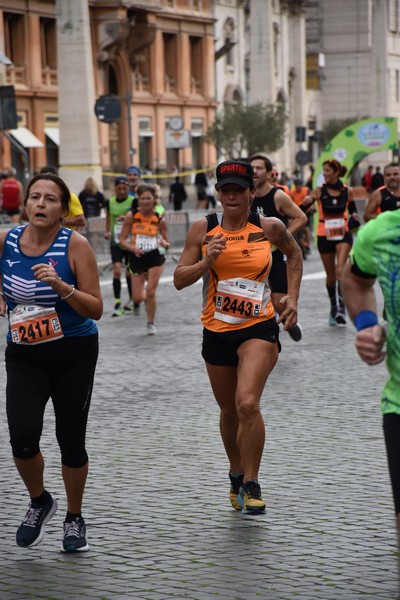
x=329 y=246
x=220 y=349
x=142 y=264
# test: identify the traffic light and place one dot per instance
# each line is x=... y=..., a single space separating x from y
x=300 y=134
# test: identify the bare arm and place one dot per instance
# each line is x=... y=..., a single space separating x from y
x=125 y=232
x=312 y=197
x=359 y=295
x=107 y=233
x=86 y=300
x=191 y=265
x=78 y=221
x=280 y=237
x=373 y=205
x=165 y=243
x=286 y=206
x=3 y=305
x=2 y=301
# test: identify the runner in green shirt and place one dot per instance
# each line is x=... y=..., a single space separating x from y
x=376 y=256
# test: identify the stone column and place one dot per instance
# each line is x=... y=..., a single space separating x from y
x=79 y=140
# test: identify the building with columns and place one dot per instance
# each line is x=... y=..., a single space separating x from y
x=173 y=62
x=157 y=56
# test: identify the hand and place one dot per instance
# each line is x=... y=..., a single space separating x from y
x=369 y=344
x=107 y=235
x=289 y=315
x=45 y=273
x=214 y=249
x=3 y=306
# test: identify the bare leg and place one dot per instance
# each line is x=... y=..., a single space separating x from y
x=223 y=383
x=257 y=358
x=153 y=277
x=31 y=471
x=238 y=392
x=328 y=260
x=138 y=292
x=74 y=482
x=342 y=252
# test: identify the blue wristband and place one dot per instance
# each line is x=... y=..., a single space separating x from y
x=364 y=319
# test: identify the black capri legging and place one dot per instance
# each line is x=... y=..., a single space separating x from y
x=63 y=371
x=391 y=429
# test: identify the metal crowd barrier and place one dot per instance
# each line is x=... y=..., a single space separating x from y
x=177 y=222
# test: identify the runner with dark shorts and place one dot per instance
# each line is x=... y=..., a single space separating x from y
x=232 y=253
x=336 y=210
x=148 y=231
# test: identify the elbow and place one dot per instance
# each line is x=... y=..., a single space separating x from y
x=178 y=284
x=178 y=281
x=97 y=312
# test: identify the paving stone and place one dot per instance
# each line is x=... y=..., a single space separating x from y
x=156 y=504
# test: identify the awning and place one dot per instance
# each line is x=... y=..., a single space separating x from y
x=53 y=133
x=26 y=138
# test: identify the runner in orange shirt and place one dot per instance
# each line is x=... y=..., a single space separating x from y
x=231 y=251
x=335 y=206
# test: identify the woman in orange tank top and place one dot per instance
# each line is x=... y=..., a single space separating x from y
x=336 y=209
x=232 y=253
x=148 y=232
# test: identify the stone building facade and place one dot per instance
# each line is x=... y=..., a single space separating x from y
x=173 y=62
x=157 y=56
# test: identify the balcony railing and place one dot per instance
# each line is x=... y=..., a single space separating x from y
x=195 y=86
x=49 y=77
x=141 y=82
x=169 y=84
x=16 y=75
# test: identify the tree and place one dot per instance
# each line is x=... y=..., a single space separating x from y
x=244 y=130
x=334 y=126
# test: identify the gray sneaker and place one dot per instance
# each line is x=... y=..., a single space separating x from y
x=74 y=539
x=151 y=329
x=31 y=531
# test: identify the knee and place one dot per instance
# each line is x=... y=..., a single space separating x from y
x=248 y=407
x=75 y=458
x=24 y=450
x=150 y=293
x=339 y=273
x=229 y=415
x=24 y=442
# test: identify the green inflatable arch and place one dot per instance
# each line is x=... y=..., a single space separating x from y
x=356 y=141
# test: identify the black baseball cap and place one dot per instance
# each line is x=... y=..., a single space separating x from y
x=121 y=179
x=235 y=171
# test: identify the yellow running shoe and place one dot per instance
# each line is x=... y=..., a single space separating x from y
x=236 y=482
x=250 y=498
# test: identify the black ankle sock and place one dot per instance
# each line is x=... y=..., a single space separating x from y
x=42 y=499
x=72 y=516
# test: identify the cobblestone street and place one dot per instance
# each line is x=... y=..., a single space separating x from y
x=156 y=505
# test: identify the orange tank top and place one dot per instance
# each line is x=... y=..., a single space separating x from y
x=236 y=293
x=145 y=231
